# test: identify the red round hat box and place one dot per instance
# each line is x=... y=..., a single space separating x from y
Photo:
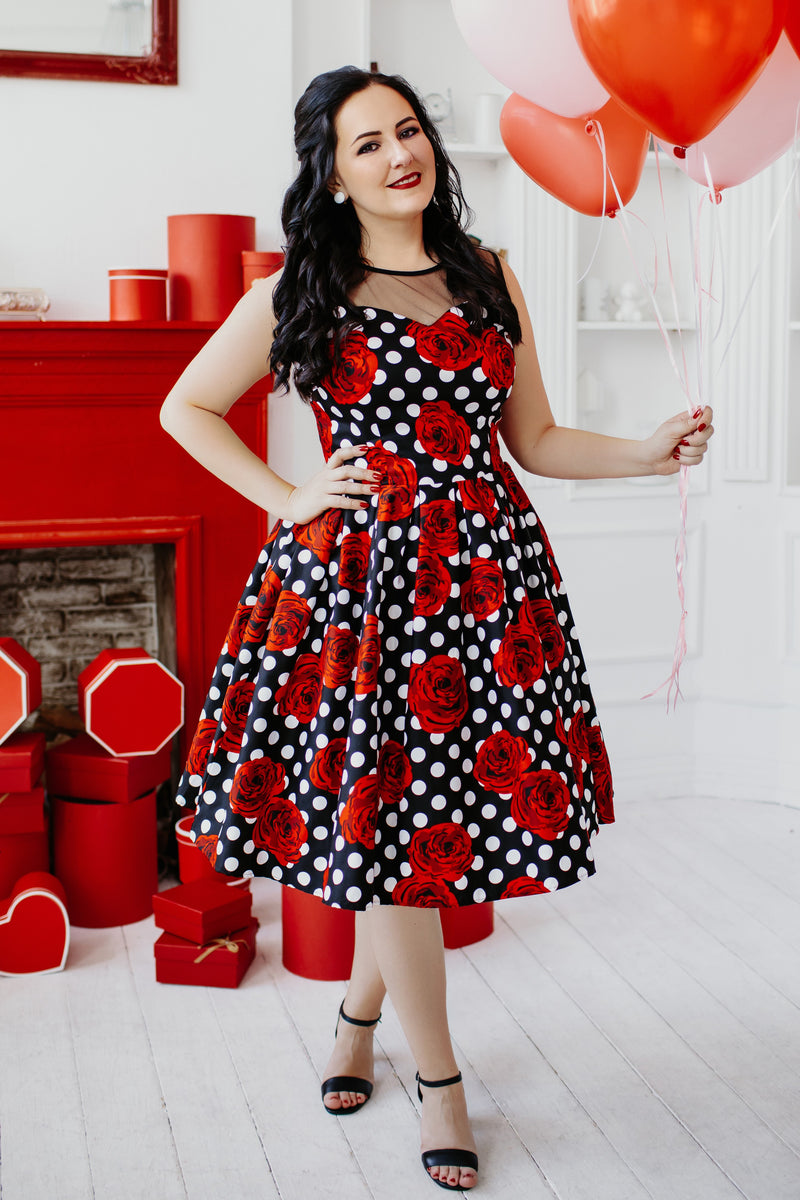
x=20 y=686
x=130 y=703
x=205 y=263
x=463 y=926
x=21 y=853
x=192 y=863
x=259 y=264
x=106 y=856
x=137 y=294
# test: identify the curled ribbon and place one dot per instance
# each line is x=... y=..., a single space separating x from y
x=227 y=943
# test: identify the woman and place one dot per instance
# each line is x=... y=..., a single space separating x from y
x=400 y=719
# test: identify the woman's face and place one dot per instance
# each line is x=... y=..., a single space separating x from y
x=384 y=162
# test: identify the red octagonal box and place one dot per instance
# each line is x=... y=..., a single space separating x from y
x=130 y=703
x=20 y=686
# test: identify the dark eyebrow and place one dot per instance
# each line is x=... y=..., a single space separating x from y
x=377 y=132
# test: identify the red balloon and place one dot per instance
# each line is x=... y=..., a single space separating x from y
x=562 y=155
x=678 y=65
x=793 y=25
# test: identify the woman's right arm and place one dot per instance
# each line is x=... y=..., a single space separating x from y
x=234 y=358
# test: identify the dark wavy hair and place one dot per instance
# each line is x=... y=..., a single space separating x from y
x=323 y=261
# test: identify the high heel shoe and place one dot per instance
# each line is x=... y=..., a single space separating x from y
x=347 y=1083
x=445 y=1158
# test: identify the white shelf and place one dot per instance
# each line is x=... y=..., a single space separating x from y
x=476 y=153
x=627 y=326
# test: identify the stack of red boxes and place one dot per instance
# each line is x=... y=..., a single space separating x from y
x=23 y=829
x=103 y=787
x=209 y=936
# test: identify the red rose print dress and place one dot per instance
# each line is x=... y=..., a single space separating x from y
x=400 y=713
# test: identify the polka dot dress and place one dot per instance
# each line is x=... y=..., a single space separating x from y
x=400 y=713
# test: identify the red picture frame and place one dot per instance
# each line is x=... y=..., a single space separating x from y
x=159 y=66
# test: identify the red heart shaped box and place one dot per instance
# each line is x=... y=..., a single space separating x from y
x=34 y=927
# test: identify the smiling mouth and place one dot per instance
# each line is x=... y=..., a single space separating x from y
x=408 y=181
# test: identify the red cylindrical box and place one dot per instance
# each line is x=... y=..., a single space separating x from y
x=259 y=264
x=106 y=856
x=19 y=854
x=318 y=940
x=463 y=926
x=137 y=295
x=192 y=863
x=205 y=263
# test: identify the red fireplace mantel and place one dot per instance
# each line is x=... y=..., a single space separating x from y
x=84 y=461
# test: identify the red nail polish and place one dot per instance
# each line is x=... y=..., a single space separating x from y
x=684 y=442
x=364 y=504
x=701 y=427
x=374 y=488
x=697 y=413
x=677 y=455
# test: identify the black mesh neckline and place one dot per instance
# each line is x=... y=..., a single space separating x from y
x=424 y=271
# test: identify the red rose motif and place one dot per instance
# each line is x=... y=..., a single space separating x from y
x=578 y=736
x=254 y=783
x=359 y=817
x=273 y=533
x=339 y=649
x=497 y=460
x=354 y=560
x=447 y=343
x=233 y=638
x=207 y=844
x=549 y=551
x=328 y=765
x=477 y=496
x=601 y=774
x=201 y=744
x=413 y=892
x=323 y=428
x=443 y=851
x=292 y=614
x=350 y=379
x=498 y=359
x=541 y=615
x=320 y=534
x=524 y=885
x=431 y=585
x=301 y=694
x=442 y=432
x=398 y=483
x=438 y=528
x=500 y=761
x=519 y=658
x=369 y=657
x=394 y=772
x=540 y=802
x=235 y=708
x=437 y=693
x=281 y=829
x=264 y=607
x=515 y=488
x=561 y=733
x=483 y=592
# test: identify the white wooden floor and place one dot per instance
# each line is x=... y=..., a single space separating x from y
x=635 y=1036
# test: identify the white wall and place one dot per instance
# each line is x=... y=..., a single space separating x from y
x=91 y=170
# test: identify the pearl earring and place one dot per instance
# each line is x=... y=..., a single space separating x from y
x=339 y=197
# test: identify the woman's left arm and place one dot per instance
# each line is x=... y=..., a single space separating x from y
x=544 y=448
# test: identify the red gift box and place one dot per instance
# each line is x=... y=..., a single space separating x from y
x=20 y=686
x=19 y=854
x=221 y=963
x=202 y=910
x=21 y=762
x=106 y=855
x=22 y=812
x=82 y=768
x=130 y=703
x=34 y=927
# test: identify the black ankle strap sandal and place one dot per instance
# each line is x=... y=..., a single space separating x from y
x=445 y=1158
x=347 y=1083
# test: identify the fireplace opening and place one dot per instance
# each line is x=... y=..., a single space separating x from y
x=64 y=604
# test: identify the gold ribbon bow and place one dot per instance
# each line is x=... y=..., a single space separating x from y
x=233 y=946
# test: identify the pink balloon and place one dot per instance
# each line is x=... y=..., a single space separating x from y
x=756 y=131
x=530 y=46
